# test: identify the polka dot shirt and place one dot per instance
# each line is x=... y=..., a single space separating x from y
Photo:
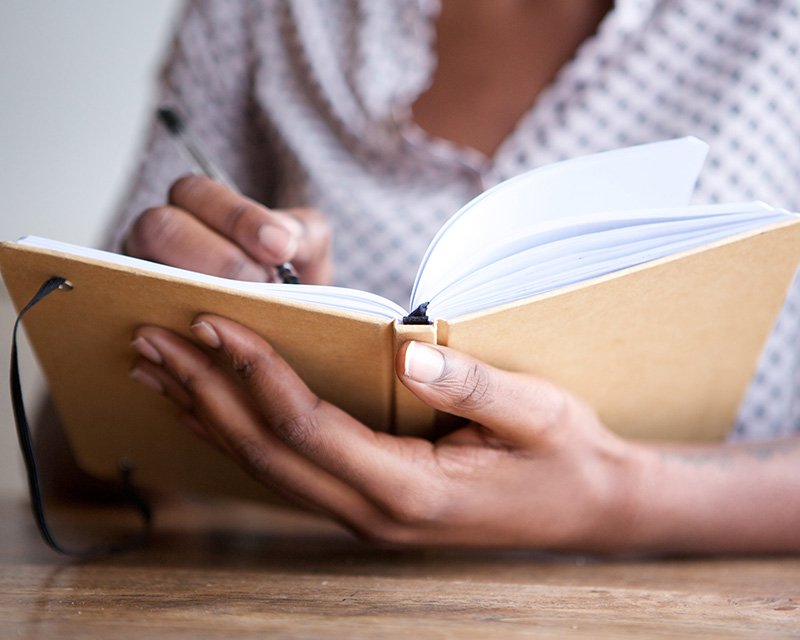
x=307 y=102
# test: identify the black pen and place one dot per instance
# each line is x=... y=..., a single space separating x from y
x=202 y=163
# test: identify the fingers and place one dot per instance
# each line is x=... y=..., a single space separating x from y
x=175 y=237
x=372 y=462
x=268 y=238
x=287 y=437
x=517 y=408
x=220 y=411
x=208 y=228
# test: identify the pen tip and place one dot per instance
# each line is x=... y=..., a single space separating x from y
x=170 y=119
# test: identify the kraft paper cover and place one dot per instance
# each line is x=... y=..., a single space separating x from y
x=663 y=350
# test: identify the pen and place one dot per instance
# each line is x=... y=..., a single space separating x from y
x=190 y=148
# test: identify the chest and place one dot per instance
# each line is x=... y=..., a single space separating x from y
x=490 y=71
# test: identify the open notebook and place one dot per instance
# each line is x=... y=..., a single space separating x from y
x=594 y=272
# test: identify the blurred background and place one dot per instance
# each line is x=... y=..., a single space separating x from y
x=77 y=91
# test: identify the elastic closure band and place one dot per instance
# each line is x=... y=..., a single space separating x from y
x=26 y=446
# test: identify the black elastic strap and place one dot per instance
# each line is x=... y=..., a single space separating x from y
x=26 y=445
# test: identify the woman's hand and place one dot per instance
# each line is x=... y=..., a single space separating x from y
x=533 y=467
x=208 y=228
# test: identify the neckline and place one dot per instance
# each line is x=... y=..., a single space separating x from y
x=623 y=21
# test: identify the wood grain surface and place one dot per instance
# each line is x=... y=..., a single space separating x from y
x=222 y=570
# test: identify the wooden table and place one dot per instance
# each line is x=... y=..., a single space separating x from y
x=221 y=570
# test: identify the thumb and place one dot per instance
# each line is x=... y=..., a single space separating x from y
x=312 y=243
x=515 y=406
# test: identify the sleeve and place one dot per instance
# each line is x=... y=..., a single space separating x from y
x=208 y=77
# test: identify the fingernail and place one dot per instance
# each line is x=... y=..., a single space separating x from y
x=145 y=379
x=423 y=363
x=146 y=349
x=206 y=334
x=278 y=241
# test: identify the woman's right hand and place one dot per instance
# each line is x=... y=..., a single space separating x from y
x=206 y=227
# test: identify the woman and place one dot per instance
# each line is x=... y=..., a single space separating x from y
x=362 y=126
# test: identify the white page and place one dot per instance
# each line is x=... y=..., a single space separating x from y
x=577 y=235
x=560 y=267
x=656 y=175
x=627 y=224
x=352 y=300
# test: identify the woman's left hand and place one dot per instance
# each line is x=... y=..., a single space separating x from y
x=532 y=468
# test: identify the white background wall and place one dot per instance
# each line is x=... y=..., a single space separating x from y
x=77 y=88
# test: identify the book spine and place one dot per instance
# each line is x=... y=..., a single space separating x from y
x=411 y=416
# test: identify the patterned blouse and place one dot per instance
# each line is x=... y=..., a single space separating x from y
x=307 y=102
